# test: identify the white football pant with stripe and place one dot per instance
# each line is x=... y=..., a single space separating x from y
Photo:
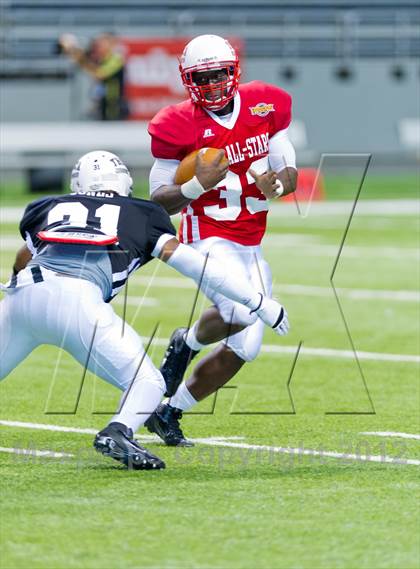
x=247 y=265
x=70 y=313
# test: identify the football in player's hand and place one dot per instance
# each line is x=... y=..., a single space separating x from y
x=186 y=169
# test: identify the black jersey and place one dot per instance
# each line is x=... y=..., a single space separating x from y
x=136 y=223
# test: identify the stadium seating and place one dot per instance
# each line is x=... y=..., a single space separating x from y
x=270 y=27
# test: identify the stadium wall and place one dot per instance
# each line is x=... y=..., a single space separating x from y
x=359 y=114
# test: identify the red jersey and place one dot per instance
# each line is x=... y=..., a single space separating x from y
x=236 y=209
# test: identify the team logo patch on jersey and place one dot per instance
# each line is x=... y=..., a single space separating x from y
x=208 y=132
x=262 y=109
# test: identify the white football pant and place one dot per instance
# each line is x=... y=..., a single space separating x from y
x=71 y=314
x=247 y=264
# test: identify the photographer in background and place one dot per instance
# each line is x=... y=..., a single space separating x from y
x=106 y=65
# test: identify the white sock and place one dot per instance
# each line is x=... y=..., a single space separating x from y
x=142 y=399
x=182 y=399
x=191 y=339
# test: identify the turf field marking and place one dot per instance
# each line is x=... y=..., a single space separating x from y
x=352 y=251
x=345 y=354
x=321 y=453
x=410 y=207
x=33 y=452
x=323 y=352
x=295 y=289
x=62 y=429
x=46 y=427
x=364 y=207
x=392 y=434
x=302 y=290
x=135 y=300
x=12 y=243
x=213 y=441
x=353 y=293
x=290 y=289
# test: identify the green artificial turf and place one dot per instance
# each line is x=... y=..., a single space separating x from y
x=228 y=506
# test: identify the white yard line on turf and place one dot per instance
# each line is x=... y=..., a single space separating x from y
x=392 y=434
x=409 y=207
x=330 y=250
x=294 y=289
x=391 y=207
x=289 y=289
x=344 y=354
x=12 y=243
x=224 y=442
x=320 y=352
x=321 y=453
x=61 y=429
x=298 y=290
x=353 y=293
x=33 y=452
x=47 y=427
x=136 y=300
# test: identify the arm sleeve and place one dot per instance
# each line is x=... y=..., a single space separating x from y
x=159 y=224
x=281 y=153
x=162 y=173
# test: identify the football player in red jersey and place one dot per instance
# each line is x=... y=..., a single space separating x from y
x=224 y=209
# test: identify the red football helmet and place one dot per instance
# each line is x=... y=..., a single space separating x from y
x=208 y=54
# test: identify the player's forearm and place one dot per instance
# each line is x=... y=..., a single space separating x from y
x=90 y=68
x=23 y=256
x=170 y=198
x=80 y=57
x=173 y=197
x=288 y=177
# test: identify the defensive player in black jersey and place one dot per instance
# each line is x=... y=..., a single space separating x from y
x=79 y=251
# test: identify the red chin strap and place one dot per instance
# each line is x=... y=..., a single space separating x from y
x=213 y=96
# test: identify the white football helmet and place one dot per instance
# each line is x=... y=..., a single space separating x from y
x=101 y=171
x=210 y=53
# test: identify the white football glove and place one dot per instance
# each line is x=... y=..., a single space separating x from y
x=273 y=314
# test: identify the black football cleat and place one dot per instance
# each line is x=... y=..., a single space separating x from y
x=175 y=361
x=165 y=423
x=117 y=442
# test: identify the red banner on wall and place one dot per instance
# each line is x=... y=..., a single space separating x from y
x=152 y=78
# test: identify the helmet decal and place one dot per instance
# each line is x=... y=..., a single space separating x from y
x=101 y=171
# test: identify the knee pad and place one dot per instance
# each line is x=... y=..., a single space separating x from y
x=246 y=353
x=247 y=344
x=234 y=313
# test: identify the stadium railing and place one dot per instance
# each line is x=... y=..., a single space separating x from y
x=37 y=145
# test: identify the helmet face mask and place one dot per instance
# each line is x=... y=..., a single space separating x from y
x=202 y=59
x=100 y=171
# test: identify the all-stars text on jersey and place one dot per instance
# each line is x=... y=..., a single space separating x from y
x=254 y=146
